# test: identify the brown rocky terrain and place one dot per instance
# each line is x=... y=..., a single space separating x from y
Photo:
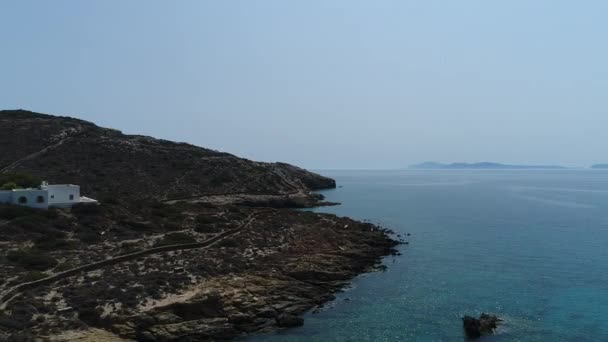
x=106 y=162
x=178 y=255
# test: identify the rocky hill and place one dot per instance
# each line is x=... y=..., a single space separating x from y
x=105 y=161
x=188 y=244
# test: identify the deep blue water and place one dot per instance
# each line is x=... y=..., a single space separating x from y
x=530 y=246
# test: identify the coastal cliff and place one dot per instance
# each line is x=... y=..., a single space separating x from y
x=187 y=244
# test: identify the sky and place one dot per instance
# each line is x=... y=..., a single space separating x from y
x=333 y=84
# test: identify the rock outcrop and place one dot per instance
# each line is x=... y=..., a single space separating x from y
x=289 y=321
x=484 y=325
x=307 y=178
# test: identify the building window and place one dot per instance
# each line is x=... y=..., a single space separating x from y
x=71 y=197
x=52 y=196
x=22 y=200
x=40 y=199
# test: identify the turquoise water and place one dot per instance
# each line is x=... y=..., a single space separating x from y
x=530 y=246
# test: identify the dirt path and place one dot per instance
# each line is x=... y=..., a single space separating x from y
x=176 y=185
x=62 y=140
x=290 y=184
x=285 y=180
x=15 y=291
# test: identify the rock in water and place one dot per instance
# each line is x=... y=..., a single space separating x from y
x=289 y=321
x=485 y=325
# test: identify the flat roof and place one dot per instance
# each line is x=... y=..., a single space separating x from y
x=41 y=188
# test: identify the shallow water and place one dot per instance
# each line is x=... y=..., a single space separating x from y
x=530 y=246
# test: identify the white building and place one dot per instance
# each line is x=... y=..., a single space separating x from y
x=45 y=196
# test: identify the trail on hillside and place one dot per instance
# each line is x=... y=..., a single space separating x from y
x=14 y=292
x=64 y=136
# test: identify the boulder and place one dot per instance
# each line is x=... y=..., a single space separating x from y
x=240 y=318
x=289 y=321
x=123 y=330
x=209 y=305
x=267 y=312
x=197 y=330
x=477 y=327
x=143 y=321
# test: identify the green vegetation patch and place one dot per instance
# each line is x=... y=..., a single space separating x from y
x=64 y=266
x=38 y=224
x=53 y=244
x=229 y=243
x=86 y=209
x=129 y=247
x=175 y=239
x=33 y=276
x=10 y=212
x=9 y=181
x=31 y=259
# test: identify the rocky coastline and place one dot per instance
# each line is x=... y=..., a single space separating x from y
x=236 y=305
x=187 y=244
x=283 y=264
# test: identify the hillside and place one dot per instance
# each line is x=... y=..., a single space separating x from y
x=188 y=244
x=105 y=161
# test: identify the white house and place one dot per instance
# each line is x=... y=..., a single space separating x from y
x=45 y=196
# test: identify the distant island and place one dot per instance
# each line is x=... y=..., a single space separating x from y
x=599 y=166
x=482 y=165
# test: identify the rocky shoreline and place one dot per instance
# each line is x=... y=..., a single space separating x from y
x=188 y=243
x=284 y=264
x=234 y=306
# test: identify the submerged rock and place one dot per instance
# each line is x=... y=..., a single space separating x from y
x=485 y=325
x=289 y=321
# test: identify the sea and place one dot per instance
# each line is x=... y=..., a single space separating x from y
x=530 y=246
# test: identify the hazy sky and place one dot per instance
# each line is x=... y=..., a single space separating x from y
x=323 y=84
